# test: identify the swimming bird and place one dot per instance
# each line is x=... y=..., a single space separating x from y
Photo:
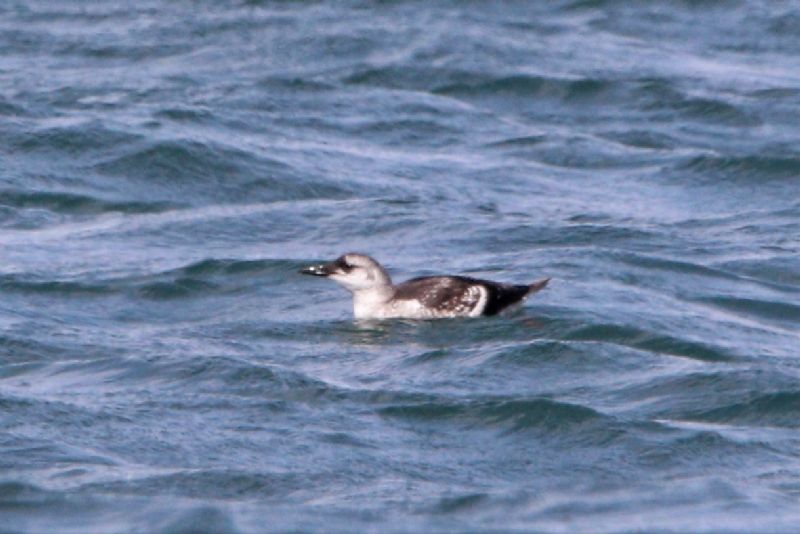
x=426 y=297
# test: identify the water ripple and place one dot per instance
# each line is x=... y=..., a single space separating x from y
x=167 y=167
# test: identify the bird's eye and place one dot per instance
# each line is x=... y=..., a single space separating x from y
x=344 y=265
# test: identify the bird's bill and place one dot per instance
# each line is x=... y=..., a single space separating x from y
x=325 y=269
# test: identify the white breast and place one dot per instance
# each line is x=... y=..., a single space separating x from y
x=369 y=304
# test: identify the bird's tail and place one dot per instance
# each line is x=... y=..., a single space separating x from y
x=537 y=286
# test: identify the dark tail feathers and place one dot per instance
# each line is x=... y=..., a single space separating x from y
x=537 y=286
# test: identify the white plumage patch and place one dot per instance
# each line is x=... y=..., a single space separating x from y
x=463 y=304
x=480 y=303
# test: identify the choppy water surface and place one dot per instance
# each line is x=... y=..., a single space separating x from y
x=166 y=167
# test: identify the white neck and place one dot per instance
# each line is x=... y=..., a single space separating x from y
x=368 y=302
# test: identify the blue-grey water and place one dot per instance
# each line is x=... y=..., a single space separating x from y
x=166 y=167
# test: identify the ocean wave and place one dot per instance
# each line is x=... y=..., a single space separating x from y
x=525 y=141
x=183 y=160
x=198 y=518
x=21 y=284
x=703 y=109
x=293 y=84
x=646 y=139
x=676 y=266
x=42 y=509
x=175 y=289
x=764 y=309
x=699 y=449
x=746 y=169
x=758 y=272
x=76 y=204
x=16 y=350
x=238 y=377
x=779 y=409
x=75 y=139
x=506 y=415
x=531 y=86
x=236 y=267
x=67 y=415
x=16 y=495
x=123 y=52
x=404 y=131
x=687 y=396
x=460 y=503
x=780 y=271
x=466 y=83
x=207 y=276
x=786 y=24
x=654 y=342
x=204 y=277
x=206 y=483
x=11 y=109
x=560 y=235
x=193 y=217
x=196 y=115
x=185 y=170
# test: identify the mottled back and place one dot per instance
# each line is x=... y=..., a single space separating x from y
x=460 y=295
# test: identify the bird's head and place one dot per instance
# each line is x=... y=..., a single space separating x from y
x=356 y=272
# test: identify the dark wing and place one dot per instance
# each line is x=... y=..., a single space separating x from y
x=501 y=296
x=460 y=294
x=456 y=295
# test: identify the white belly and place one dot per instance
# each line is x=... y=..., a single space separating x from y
x=413 y=309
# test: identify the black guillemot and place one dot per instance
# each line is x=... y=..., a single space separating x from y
x=427 y=297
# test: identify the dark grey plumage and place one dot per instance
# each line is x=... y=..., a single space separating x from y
x=451 y=293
